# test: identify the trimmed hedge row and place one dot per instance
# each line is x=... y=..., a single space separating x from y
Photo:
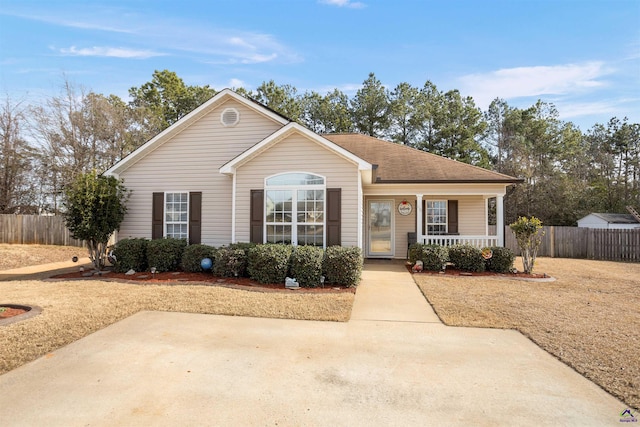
x=466 y=257
x=433 y=257
x=130 y=254
x=342 y=266
x=463 y=257
x=305 y=265
x=501 y=261
x=193 y=256
x=268 y=263
x=165 y=254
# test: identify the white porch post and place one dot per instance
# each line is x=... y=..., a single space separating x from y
x=233 y=210
x=500 y=219
x=419 y=230
x=486 y=215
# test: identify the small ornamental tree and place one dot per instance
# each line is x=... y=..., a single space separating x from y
x=95 y=206
x=529 y=235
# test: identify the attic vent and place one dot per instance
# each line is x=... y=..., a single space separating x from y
x=230 y=117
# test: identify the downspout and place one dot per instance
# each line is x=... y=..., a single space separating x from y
x=233 y=209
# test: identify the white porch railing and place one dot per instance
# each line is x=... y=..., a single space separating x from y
x=444 y=240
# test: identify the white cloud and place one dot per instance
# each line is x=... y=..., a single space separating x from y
x=229 y=47
x=344 y=3
x=214 y=45
x=240 y=42
x=85 y=24
x=113 y=52
x=569 y=110
x=509 y=83
x=346 y=88
x=236 y=83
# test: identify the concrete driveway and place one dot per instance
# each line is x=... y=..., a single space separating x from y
x=394 y=363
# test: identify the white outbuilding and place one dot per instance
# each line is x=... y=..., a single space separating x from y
x=612 y=221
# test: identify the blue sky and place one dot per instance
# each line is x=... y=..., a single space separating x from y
x=581 y=55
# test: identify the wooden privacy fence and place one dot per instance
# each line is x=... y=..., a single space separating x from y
x=591 y=243
x=35 y=229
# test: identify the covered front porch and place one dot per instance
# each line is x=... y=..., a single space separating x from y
x=426 y=235
x=392 y=222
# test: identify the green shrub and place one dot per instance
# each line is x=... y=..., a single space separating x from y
x=433 y=257
x=165 y=254
x=529 y=234
x=193 y=256
x=230 y=262
x=306 y=265
x=466 y=257
x=245 y=246
x=501 y=261
x=342 y=266
x=130 y=254
x=415 y=251
x=269 y=263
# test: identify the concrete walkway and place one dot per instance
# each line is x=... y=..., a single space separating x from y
x=391 y=364
x=389 y=293
x=44 y=271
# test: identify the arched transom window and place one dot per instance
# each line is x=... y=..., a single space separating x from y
x=295 y=209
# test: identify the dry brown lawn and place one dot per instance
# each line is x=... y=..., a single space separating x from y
x=16 y=256
x=74 y=309
x=589 y=318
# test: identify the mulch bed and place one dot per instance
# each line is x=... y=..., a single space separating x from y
x=181 y=277
x=449 y=271
x=6 y=312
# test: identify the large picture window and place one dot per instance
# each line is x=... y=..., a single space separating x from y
x=176 y=215
x=436 y=217
x=295 y=209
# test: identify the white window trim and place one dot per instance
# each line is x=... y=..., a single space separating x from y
x=294 y=206
x=426 y=215
x=164 y=213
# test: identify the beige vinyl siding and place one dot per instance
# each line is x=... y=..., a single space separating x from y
x=190 y=162
x=472 y=216
x=297 y=153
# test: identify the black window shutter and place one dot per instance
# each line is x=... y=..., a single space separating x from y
x=195 y=217
x=334 y=216
x=452 y=217
x=257 y=216
x=157 y=216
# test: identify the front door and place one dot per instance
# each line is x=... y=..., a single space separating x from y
x=380 y=228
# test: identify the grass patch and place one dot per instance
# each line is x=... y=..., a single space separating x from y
x=75 y=309
x=589 y=318
x=16 y=256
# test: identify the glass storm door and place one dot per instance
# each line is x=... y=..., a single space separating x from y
x=380 y=228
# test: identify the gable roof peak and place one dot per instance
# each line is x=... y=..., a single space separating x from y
x=188 y=120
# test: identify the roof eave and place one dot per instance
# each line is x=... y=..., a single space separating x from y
x=448 y=181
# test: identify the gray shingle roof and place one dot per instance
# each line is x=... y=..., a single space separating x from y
x=615 y=218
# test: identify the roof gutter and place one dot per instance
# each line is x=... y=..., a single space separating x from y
x=379 y=180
